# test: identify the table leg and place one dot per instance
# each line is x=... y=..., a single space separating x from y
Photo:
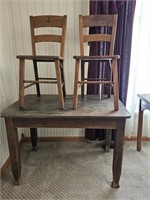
x=140 y=124
x=12 y=136
x=108 y=140
x=118 y=153
x=33 y=133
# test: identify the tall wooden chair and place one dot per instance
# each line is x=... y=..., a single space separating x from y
x=41 y=27
x=99 y=21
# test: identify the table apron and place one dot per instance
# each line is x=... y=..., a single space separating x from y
x=66 y=123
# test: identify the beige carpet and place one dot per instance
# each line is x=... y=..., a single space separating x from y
x=78 y=171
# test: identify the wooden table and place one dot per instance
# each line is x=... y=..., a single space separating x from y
x=44 y=112
x=144 y=104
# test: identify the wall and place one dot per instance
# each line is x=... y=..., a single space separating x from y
x=15 y=39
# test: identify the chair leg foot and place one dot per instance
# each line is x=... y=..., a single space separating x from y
x=21 y=108
x=16 y=182
x=34 y=148
x=115 y=185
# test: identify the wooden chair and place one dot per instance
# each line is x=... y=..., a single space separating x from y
x=45 y=23
x=103 y=21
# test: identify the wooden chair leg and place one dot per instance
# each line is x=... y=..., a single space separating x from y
x=75 y=96
x=82 y=78
x=63 y=78
x=59 y=84
x=21 y=82
x=115 y=81
x=109 y=88
x=36 y=78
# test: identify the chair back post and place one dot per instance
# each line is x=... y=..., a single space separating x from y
x=32 y=35
x=64 y=25
x=81 y=35
x=114 y=28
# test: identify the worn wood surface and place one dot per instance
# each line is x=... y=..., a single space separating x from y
x=44 y=112
x=47 y=106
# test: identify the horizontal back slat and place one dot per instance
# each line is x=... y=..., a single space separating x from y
x=97 y=20
x=47 y=21
x=97 y=37
x=48 y=38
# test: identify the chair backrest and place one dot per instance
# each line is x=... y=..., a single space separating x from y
x=45 y=22
x=104 y=30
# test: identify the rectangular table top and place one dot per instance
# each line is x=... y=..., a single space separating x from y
x=145 y=97
x=47 y=106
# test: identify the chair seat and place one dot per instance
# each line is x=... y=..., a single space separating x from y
x=40 y=57
x=91 y=58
